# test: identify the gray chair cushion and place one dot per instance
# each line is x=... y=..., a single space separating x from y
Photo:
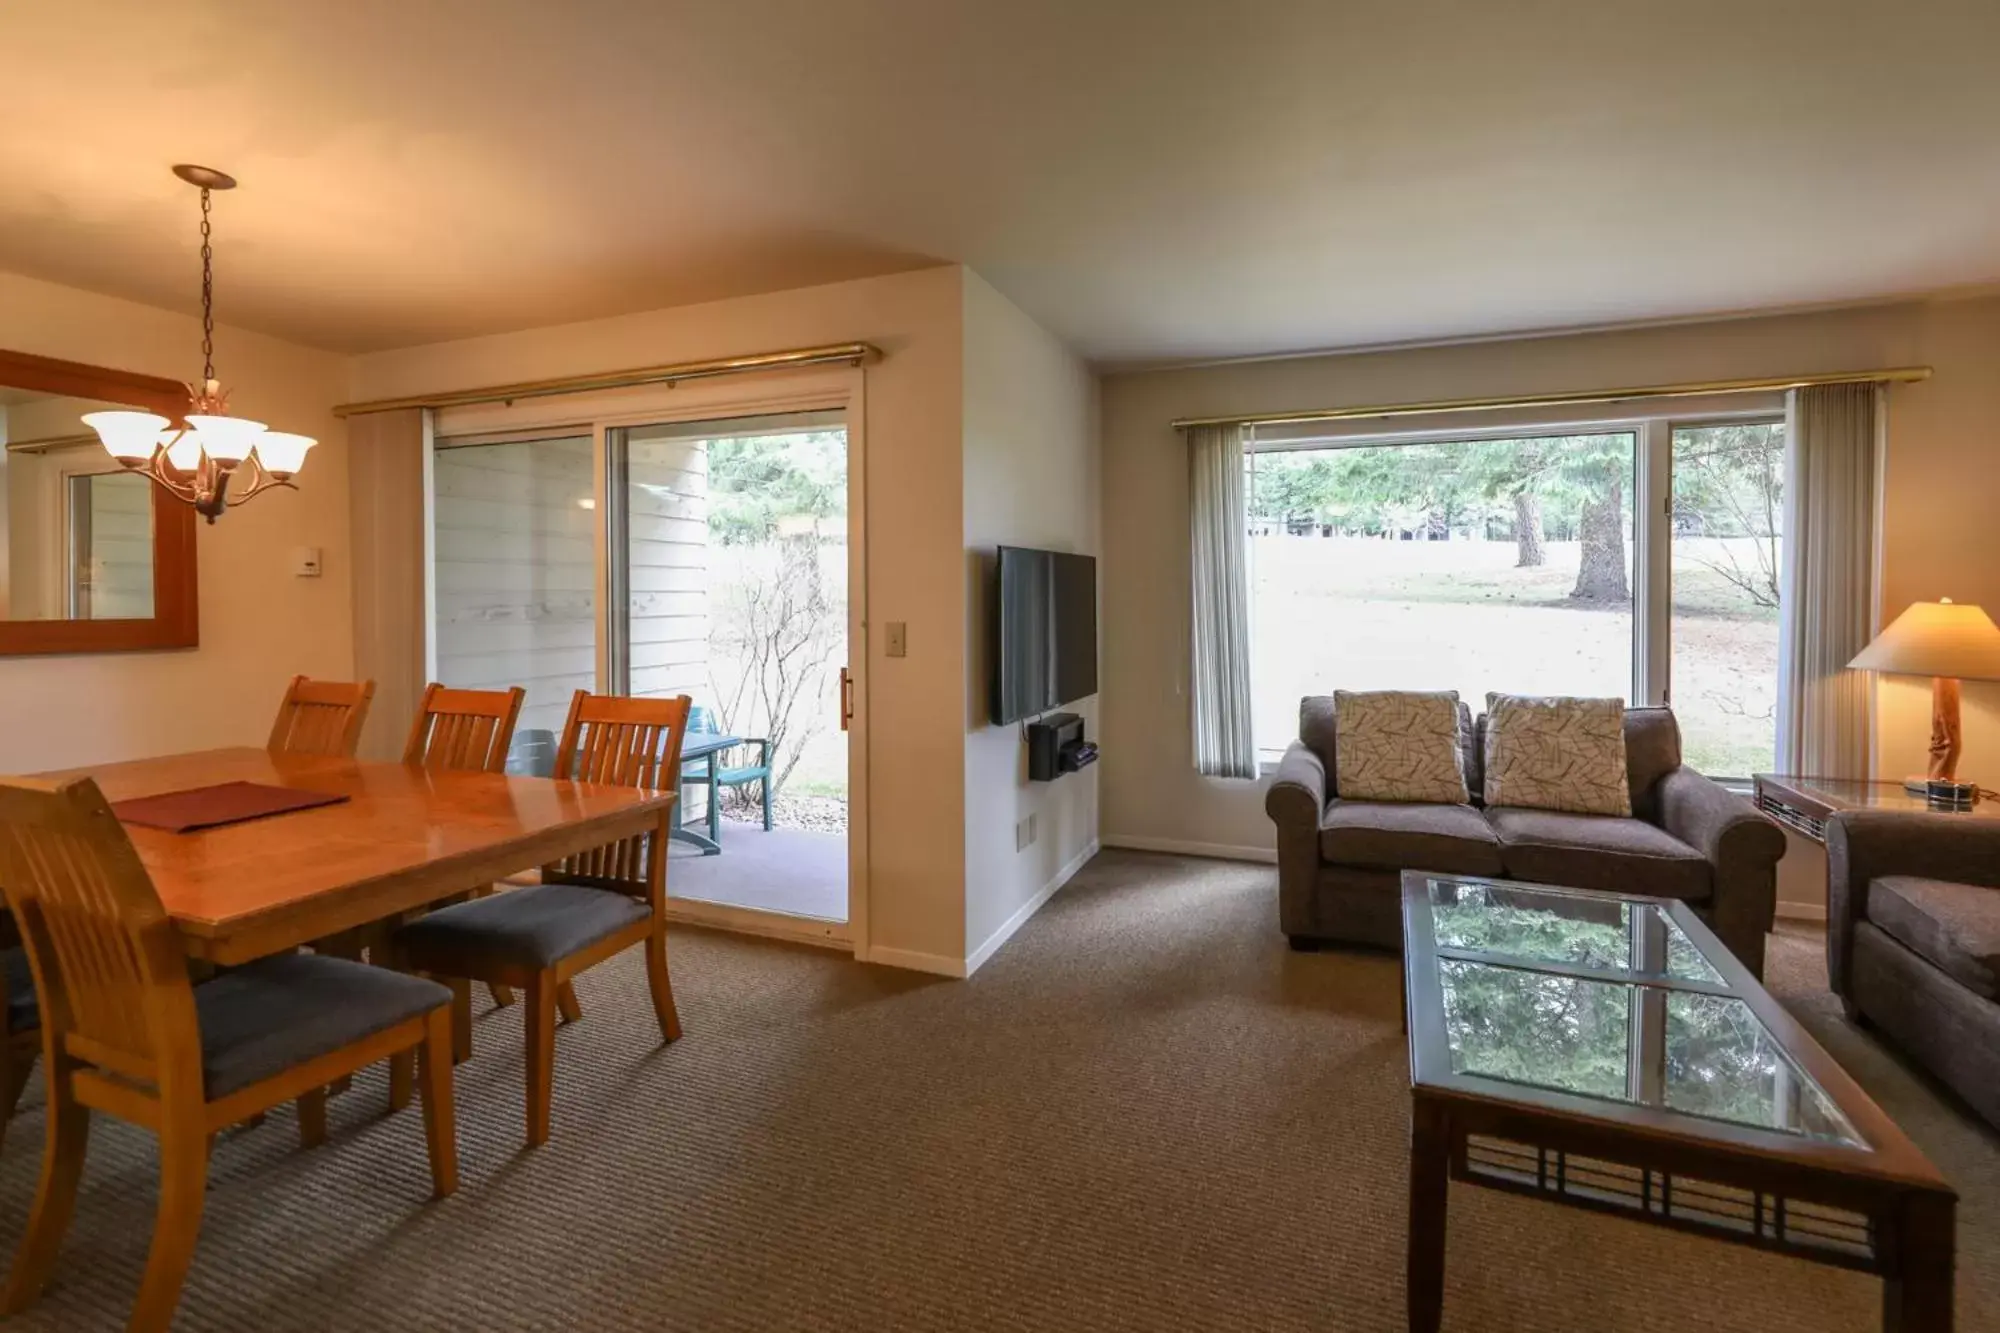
x=1599 y=852
x=23 y=1010
x=1386 y=835
x=1954 y=927
x=530 y=928
x=262 y=1019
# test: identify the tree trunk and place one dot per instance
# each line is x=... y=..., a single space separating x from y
x=1528 y=530
x=1600 y=576
x=1438 y=528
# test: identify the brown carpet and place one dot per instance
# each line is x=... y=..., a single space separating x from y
x=1144 y=1114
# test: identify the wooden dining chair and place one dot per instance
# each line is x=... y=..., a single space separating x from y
x=21 y=1039
x=469 y=731
x=321 y=717
x=124 y=1032
x=466 y=730
x=587 y=908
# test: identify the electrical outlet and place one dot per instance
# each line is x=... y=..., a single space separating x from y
x=1024 y=834
x=899 y=639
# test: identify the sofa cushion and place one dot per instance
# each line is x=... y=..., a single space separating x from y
x=1557 y=753
x=1383 y=835
x=1652 y=750
x=1620 y=855
x=1318 y=734
x=1398 y=745
x=1954 y=927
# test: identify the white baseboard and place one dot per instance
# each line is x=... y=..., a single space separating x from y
x=911 y=960
x=1801 y=911
x=1221 y=851
x=978 y=956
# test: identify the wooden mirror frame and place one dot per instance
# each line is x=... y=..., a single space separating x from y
x=176 y=621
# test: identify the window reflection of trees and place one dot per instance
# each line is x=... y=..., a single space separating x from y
x=1536 y=1027
x=1573 y=1035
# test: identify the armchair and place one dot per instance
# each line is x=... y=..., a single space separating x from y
x=1913 y=939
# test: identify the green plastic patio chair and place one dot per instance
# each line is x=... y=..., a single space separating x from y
x=703 y=722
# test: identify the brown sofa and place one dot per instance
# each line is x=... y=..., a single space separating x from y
x=1339 y=862
x=1913 y=939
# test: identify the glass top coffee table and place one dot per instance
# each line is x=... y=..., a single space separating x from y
x=1608 y=1052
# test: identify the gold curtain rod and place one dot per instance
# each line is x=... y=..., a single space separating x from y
x=1690 y=389
x=48 y=442
x=833 y=354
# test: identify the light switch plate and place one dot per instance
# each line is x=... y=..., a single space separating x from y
x=306 y=561
x=899 y=638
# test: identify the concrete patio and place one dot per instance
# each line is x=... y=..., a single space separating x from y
x=795 y=871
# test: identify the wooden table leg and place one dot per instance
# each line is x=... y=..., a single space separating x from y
x=1917 y=1289
x=1430 y=1183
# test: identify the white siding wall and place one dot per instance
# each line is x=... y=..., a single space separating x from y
x=516 y=573
x=667 y=518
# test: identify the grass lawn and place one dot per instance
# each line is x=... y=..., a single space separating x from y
x=1361 y=613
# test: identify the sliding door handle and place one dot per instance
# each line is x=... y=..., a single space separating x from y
x=846 y=698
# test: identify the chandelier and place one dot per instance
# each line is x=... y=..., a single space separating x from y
x=196 y=463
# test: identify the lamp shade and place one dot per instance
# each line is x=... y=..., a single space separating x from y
x=1942 y=638
x=127 y=435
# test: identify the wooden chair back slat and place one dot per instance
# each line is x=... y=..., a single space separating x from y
x=619 y=742
x=321 y=717
x=110 y=968
x=464 y=730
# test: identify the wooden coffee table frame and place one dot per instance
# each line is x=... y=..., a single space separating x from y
x=1884 y=1209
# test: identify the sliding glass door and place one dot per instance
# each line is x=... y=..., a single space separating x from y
x=637 y=555
x=730 y=580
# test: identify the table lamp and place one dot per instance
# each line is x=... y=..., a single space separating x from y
x=1948 y=642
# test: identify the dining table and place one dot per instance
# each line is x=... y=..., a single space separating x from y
x=403 y=837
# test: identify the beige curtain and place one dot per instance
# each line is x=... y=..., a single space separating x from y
x=1223 y=746
x=1832 y=447
x=387 y=469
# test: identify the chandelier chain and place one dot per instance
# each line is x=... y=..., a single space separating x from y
x=207 y=295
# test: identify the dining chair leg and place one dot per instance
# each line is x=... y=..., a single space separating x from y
x=403 y=1072
x=55 y=1196
x=440 y=1115
x=541 y=1025
x=19 y=1065
x=766 y=784
x=176 y=1225
x=566 y=1003
x=312 y=1118
x=502 y=995
x=461 y=1019
x=714 y=802
x=662 y=986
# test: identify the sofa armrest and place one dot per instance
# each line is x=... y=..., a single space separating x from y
x=1716 y=822
x=1297 y=795
x=1742 y=849
x=1296 y=802
x=1864 y=845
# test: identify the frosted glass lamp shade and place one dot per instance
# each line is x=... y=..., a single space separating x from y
x=185 y=451
x=127 y=436
x=283 y=454
x=1942 y=638
x=226 y=439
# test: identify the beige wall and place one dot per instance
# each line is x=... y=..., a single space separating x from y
x=1031 y=466
x=1942 y=492
x=913 y=433
x=259 y=624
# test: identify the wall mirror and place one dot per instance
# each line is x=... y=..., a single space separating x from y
x=93 y=558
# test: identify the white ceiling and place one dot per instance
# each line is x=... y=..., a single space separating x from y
x=1158 y=179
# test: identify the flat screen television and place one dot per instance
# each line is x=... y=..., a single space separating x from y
x=1044 y=633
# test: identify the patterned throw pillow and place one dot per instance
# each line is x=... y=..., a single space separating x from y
x=1397 y=745
x=1557 y=754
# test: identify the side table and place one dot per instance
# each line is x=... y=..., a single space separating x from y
x=1804 y=804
